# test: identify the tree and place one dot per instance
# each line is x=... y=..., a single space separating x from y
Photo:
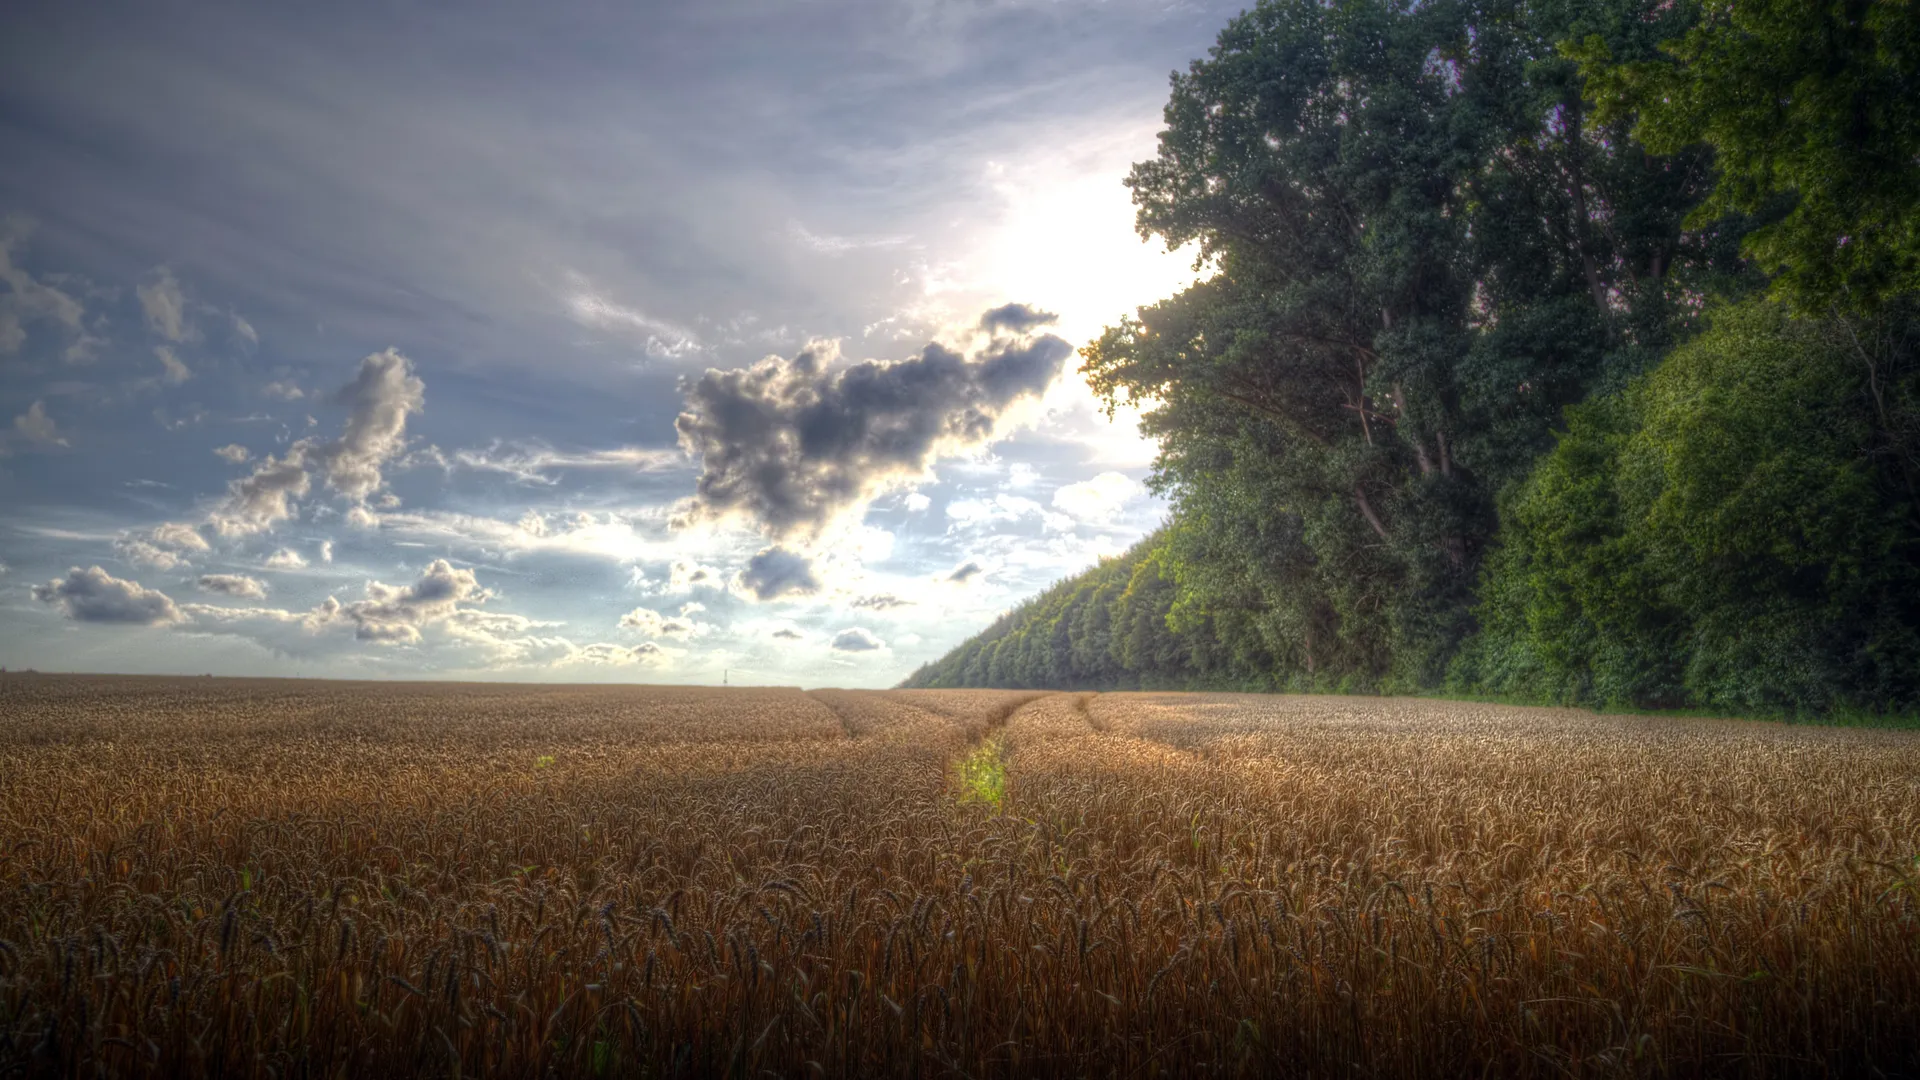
x=1812 y=108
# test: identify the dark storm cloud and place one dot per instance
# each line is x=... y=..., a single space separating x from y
x=787 y=635
x=791 y=445
x=1017 y=318
x=93 y=595
x=776 y=572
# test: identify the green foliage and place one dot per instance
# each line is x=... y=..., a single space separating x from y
x=1114 y=627
x=1449 y=410
x=982 y=775
x=1421 y=260
x=1813 y=108
x=1736 y=530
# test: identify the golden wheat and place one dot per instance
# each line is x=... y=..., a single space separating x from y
x=268 y=878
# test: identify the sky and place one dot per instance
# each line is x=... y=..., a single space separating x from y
x=565 y=342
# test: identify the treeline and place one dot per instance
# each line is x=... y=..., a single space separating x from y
x=1560 y=349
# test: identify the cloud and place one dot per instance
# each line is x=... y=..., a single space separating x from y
x=172 y=370
x=856 y=639
x=141 y=553
x=93 y=595
x=394 y=614
x=601 y=652
x=379 y=398
x=165 y=305
x=326 y=551
x=916 y=502
x=161 y=546
x=1017 y=319
x=794 y=445
x=881 y=602
x=786 y=634
x=1098 y=499
x=828 y=244
x=685 y=575
x=243 y=331
x=966 y=572
x=776 y=572
x=534 y=462
x=662 y=338
x=233 y=585
x=265 y=496
x=173 y=534
x=280 y=390
x=30 y=300
x=286 y=559
x=233 y=452
x=35 y=426
x=383 y=393
x=444 y=600
x=650 y=623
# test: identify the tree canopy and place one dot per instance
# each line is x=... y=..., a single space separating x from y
x=1483 y=389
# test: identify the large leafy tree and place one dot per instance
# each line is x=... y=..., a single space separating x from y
x=1739 y=529
x=1422 y=249
x=1813 y=110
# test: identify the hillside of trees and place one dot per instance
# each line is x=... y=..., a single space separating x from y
x=1557 y=349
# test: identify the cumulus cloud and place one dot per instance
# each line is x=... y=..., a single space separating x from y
x=380 y=397
x=601 y=652
x=233 y=585
x=776 y=572
x=173 y=534
x=685 y=575
x=966 y=572
x=243 y=331
x=93 y=595
x=141 y=553
x=792 y=446
x=232 y=452
x=286 y=559
x=916 y=502
x=395 y=614
x=35 y=426
x=161 y=546
x=280 y=390
x=172 y=369
x=1016 y=319
x=856 y=639
x=265 y=496
x=650 y=623
x=1098 y=499
x=786 y=634
x=326 y=551
x=165 y=305
x=383 y=393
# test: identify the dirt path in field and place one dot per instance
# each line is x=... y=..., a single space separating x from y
x=976 y=717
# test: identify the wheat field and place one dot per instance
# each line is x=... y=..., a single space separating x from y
x=278 y=878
